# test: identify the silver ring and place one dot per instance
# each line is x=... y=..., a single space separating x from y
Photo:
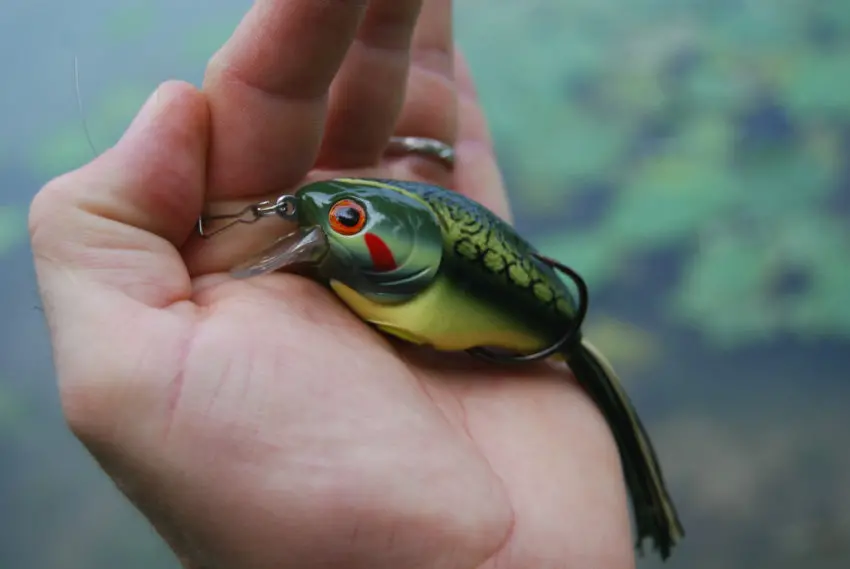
x=427 y=146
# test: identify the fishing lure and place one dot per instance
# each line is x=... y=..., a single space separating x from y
x=433 y=267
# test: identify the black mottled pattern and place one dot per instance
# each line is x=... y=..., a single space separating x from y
x=488 y=257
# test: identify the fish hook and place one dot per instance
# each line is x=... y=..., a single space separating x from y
x=569 y=336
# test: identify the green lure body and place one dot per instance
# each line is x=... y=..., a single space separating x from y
x=487 y=289
x=433 y=267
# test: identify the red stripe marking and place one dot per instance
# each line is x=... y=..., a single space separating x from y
x=382 y=257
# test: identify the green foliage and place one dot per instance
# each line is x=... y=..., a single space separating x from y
x=645 y=97
x=814 y=87
x=652 y=101
x=733 y=291
x=746 y=104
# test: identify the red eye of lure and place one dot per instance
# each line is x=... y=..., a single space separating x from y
x=347 y=217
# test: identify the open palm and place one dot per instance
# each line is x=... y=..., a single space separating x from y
x=259 y=423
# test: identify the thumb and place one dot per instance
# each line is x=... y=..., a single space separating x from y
x=118 y=220
x=105 y=244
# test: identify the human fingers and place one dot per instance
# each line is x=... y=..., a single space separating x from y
x=267 y=89
x=104 y=241
x=477 y=173
x=118 y=220
x=430 y=104
x=367 y=94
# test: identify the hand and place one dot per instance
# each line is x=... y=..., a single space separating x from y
x=258 y=423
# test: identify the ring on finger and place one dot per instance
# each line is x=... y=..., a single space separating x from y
x=420 y=145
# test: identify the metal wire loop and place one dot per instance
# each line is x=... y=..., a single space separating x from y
x=571 y=335
x=284 y=206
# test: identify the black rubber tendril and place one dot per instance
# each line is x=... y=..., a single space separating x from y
x=570 y=336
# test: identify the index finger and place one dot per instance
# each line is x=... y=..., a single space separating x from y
x=477 y=172
x=267 y=89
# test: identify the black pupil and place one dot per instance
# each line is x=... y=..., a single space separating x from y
x=348 y=216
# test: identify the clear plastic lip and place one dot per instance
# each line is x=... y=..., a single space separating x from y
x=302 y=246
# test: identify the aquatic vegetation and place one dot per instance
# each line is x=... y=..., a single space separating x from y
x=679 y=121
x=718 y=127
x=789 y=281
x=717 y=131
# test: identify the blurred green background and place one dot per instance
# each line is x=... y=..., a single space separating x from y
x=689 y=157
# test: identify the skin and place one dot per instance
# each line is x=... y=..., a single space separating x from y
x=451 y=275
x=259 y=423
